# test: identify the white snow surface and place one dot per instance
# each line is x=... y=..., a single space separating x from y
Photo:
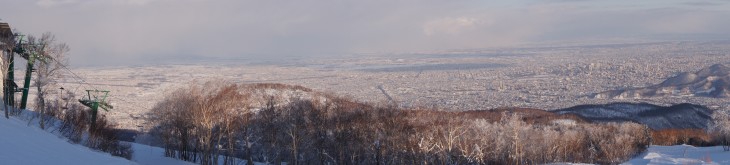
x=29 y=145
x=21 y=143
x=144 y=155
x=681 y=154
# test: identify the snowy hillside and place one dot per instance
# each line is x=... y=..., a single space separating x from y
x=713 y=81
x=681 y=154
x=23 y=144
x=149 y=155
x=29 y=145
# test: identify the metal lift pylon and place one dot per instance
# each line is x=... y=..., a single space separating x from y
x=95 y=101
x=31 y=56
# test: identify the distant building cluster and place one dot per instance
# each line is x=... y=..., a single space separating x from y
x=549 y=77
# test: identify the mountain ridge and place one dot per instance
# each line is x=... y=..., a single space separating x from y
x=713 y=81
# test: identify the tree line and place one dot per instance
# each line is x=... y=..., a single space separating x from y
x=222 y=123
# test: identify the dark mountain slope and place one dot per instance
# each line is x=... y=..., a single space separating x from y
x=654 y=116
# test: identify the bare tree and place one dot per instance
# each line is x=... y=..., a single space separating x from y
x=6 y=45
x=338 y=131
x=201 y=122
x=51 y=57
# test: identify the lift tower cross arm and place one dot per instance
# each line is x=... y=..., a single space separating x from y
x=95 y=101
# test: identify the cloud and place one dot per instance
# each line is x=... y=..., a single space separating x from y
x=136 y=2
x=682 y=22
x=136 y=30
x=568 y=0
x=51 y=3
x=451 y=25
x=702 y=3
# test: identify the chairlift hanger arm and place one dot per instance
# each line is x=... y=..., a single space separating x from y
x=96 y=100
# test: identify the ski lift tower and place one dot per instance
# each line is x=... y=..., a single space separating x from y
x=96 y=99
x=12 y=43
x=31 y=56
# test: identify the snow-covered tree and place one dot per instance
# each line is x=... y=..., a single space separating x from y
x=51 y=58
x=6 y=45
x=720 y=128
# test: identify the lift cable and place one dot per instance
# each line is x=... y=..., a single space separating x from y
x=84 y=82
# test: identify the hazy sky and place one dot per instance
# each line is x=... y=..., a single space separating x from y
x=129 y=31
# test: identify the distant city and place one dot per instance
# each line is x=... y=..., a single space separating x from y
x=543 y=77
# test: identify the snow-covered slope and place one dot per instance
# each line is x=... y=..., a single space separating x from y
x=681 y=154
x=713 y=81
x=149 y=155
x=28 y=145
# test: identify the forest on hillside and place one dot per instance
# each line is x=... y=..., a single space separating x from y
x=267 y=123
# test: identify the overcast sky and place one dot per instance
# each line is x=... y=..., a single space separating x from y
x=129 y=31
